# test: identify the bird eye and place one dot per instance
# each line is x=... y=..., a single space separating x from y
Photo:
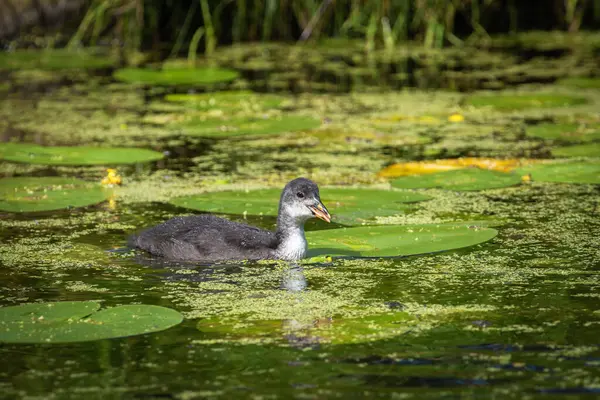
x=300 y=195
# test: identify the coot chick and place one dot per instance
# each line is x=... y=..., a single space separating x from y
x=209 y=238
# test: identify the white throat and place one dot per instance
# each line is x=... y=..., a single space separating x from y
x=293 y=245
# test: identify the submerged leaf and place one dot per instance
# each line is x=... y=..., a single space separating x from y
x=26 y=194
x=460 y=179
x=75 y=155
x=395 y=240
x=347 y=206
x=67 y=322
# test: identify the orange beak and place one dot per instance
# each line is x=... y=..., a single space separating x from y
x=320 y=212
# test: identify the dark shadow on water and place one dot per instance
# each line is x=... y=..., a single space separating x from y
x=572 y=390
x=421 y=381
x=340 y=253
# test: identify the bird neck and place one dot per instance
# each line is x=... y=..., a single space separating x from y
x=292 y=242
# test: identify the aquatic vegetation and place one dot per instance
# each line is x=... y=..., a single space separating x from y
x=582 y=150
x=112 y=178
x=566 y=132
x=459 y=179
x=430 y=167
x=175 y=77
x=267 y=125
x=69 y=118
x=571 y=172
x=75 y=155
x=580 y=82
x=41 y=78
x=395 y=240
x=68 y=322
x=55 y=59
x=226 y=100
x=27 y=194
x=498 y=318
x=507 y=102
x=347 y=206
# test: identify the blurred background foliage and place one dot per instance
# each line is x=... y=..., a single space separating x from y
x=176 y=26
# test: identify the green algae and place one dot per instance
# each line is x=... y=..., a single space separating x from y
x=175 y=77
x=50 y=193
x=75 y=155
x=461 y=179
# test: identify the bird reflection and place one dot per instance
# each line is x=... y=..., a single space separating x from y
x=293 y=279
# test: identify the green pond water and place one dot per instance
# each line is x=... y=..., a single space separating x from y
x=517 y=316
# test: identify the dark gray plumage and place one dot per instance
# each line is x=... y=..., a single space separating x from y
x=209 y=238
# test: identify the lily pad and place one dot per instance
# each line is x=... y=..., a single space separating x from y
x=75 y=321
x=75 y=155
x=508 y=102
x=430 y=167
x=565 y=132
x=461 y=179
x=248 y=126
x=580 y=82
x=582 y=150
x=565 y=172
x=169 y=77
x=226 y=100
x=54 y=59
x=26 y=194
x=347 y=206
x=394 y=240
